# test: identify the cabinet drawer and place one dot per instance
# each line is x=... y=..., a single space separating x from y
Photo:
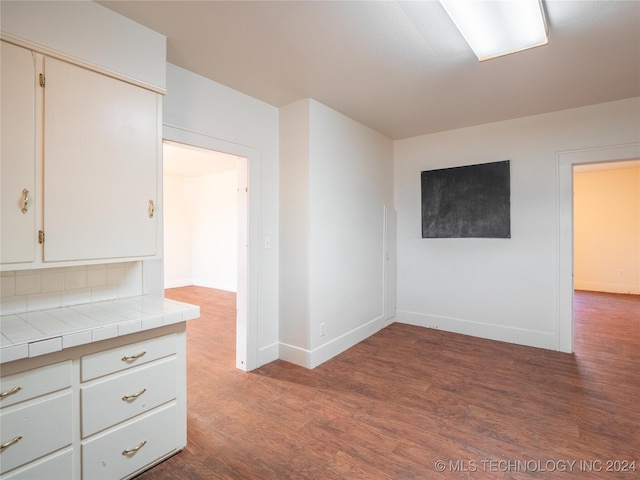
x=127 y=394
x=56 y=467
x=44 y=426
x=110 y=455
x=121 y=358
x=34 y=383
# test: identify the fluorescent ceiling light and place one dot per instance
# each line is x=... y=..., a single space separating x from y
x=498 y=27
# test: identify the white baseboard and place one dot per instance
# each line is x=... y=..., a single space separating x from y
x=489 y=331
x=293 y=354
x=207 y=283
x=198 y=282
x=268 y=354
x=313 y=358
x=178 y=282
x=607 y=287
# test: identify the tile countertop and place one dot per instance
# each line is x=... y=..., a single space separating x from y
x=29 y=334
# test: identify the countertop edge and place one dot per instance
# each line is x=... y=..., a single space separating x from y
x=87 y=323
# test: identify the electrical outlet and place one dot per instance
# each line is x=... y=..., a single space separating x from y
x=323 y=329
x=621 y=272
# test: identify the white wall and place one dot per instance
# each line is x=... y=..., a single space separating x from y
x=505 y=289
x=201 y=230
x=213 y=200
x=178 y=244
x=205 y=109
x=336 y=183
x=607 y=230
x=294 y=229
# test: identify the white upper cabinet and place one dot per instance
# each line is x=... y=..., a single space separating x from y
x=101 y=151
x=17 y=155
x=81 y=153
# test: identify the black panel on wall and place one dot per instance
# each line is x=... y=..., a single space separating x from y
x=472 y=201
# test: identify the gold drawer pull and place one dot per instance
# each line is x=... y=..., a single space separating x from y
x=134 y=449
x=25 y=200
x=126 y=398
x=10 y=392
x=11 y=442
x=128 y=358
x=152 y=208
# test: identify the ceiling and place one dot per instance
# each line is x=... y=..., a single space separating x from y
x=399 y=67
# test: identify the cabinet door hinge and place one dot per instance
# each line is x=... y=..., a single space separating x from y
x=40 y=236
x=41 y=79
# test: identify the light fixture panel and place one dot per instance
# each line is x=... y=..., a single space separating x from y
x=493 y=28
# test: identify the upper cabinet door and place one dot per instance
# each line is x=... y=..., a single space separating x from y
x=17 y=155
x=101 y=152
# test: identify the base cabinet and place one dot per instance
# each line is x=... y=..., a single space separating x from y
x=127 y=395
x=130 y=447
x=35 y=429
x=58 y=466
x=126 y=413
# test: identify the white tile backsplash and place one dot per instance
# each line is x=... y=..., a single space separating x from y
x=76 y=297
x=7 y=285
x=74 y=279
x=53 y=280
x=28 y=283
x=31 y=290
x=101 y=294
x=116 y=274
x=13 y=304
x=133 y=272
x=42 y=301
x=97 y=277
x=129 y=289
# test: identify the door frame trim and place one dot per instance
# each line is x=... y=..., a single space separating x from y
x=247 y=295
x=565 y=162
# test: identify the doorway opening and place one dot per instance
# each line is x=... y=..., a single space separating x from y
x=200 y=189
x=606 y=247
x=567 y=161
x=606 y=243
x=206 y=209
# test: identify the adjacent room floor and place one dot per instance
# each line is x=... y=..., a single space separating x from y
x=415 y=403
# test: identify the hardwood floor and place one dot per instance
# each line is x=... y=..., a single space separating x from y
x=406 y=398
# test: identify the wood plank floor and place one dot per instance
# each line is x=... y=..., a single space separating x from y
x=394 y=405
